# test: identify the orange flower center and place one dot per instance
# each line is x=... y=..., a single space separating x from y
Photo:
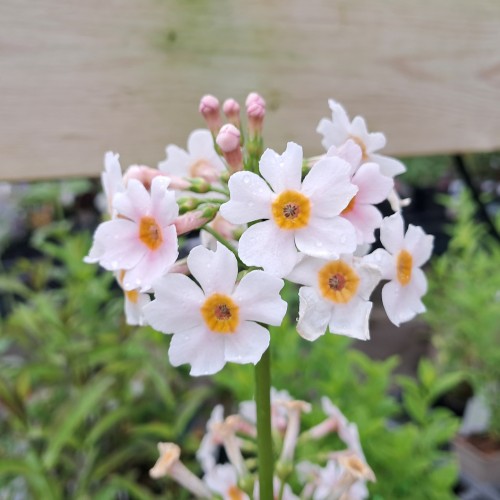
x=234 y=493
x=291 y=210
x=338 y=281
x=350 y=206
x=404 y=265
x=150 y=233
x=132 y=296
x=220 y=313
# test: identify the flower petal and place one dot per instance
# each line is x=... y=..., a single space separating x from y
x=201 y=146
x=134 y=203
x=164 y=206
x=373 y=187
x=419 y=244
x=258 y=296
x=176 y=163
x=365 y=219
x=176 y=306
x=306 y=271
x=202 y=349
x=351 y=319
x=250 y=199
x=328 y=186
x=282 y=172
x=326 y=238
x=314 y=314
x=388 y=166
x=383 y=261
x=214 y=271
x=401 y=303
x=392 y=232
x=246 y=345
x=265 y=245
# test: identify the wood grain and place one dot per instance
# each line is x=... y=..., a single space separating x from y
x=78 y=78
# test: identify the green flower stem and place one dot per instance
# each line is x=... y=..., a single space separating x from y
x=214 y=189
x=223 y=240
x=264 y=438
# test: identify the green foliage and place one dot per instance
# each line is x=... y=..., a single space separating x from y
x=404 y=442
x=425 y=171
x=464 y=306
x=84 y=397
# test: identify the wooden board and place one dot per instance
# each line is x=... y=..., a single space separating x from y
x=80 y=77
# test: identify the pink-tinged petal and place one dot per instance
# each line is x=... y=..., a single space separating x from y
x=360 y=130
x=314 y=314
x=164 y=206
x=392 y=233
x=388 y=166
x=202 y=349
x=401 y=303
x=134 y=203
x=215 y=271
x=250 y=199
x=328 y=186
x=339 y=114
x=365 y=219
x=134 y=310
x=177 y=162
x=326 y=238
x=419 y=244
x=349 y=151
x=369 y=278
x=176 y=306
x=383 y=261
x=116 y=245
x=153 y=264
x=201 y=146
x=351 y=319
x=373 y=187
x=265 y=245
x=282 y=172
x=246 y=345
x=306 y=271
x=258 y=297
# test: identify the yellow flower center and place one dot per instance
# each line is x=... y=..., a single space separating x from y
x=338 y=281
x=291 y=210
x=404 y=265
x=150 y=233
x=234 y=493
x=350 y=206
x=361 y=144
x=132 y=296
x=220 y=313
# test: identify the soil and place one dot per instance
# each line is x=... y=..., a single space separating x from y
x=484 y=442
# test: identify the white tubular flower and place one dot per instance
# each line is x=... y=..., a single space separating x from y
x=112 y=179
x=207 y=453
x=336 y=295
x=294 y=409
x=142 y=241
x=223 y=479
x=134 y=302
x=327 y=481
x=301 y=215
x=339 y=129
x=400 y=263
x=335 y=421
x=169 y=464
x=200 y=160
x=218 y=322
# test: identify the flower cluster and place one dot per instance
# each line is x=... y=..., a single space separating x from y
x=339 y=474
x=264 y=217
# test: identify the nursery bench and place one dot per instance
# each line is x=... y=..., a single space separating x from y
x=80 y=78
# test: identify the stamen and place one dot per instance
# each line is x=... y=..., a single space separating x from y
x=338 y=281
x=291 y=210
x=150 y=233
x=404 y=266
x=220 y=313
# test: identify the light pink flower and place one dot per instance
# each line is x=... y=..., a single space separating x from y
x=142 y=240
x=112 y=179
x=223 y=479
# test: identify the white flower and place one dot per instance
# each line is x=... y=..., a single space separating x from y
x=112 y=179
x=223 y=479
x=340 y=129
x=200 y=160
x=400 y=263
x=207 y=453
x=142 y=241
x=301 y=215
x=336 y=295
x=134 y=302
x=218 y=322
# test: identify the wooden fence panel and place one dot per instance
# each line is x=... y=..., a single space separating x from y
x=79 y=77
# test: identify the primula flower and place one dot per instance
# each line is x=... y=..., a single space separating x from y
x=112 y=179
x=200 y=160
x=340 y=129
x=336 y=295
x=219 y=321
x=223 y=479
x=142 y=240
x=301 y=215
x=134 y=302
x=211 y=443
x=400 y=263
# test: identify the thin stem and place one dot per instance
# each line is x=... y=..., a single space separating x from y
x=264 y=438
x=219 y=190
x=223 y=240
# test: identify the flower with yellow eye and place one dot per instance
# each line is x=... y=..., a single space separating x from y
x=336 y=296
x=217 y=321
x=400 y=263
x=299 y=215
x=142 y=239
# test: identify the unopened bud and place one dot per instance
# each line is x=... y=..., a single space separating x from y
x=190 y=221
x=284 y=469
x=231 y=109
x=228 y=141
x=256 y=111
x=187 y=204
x=210 y=109
x=143 y=174
x=199 y=185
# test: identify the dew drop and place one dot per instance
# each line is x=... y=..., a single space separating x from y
x=246 y=179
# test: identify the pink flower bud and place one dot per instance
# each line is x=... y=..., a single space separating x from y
x=253 y=97
x=210 y=109
x=228 y=141
x=190 y=221
x=232 y=111
x=256 y=111
x=143 y=174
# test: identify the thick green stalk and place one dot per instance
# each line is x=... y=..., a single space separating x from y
x=264 y=438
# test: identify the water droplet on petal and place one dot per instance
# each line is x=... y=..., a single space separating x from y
x=246 y=179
